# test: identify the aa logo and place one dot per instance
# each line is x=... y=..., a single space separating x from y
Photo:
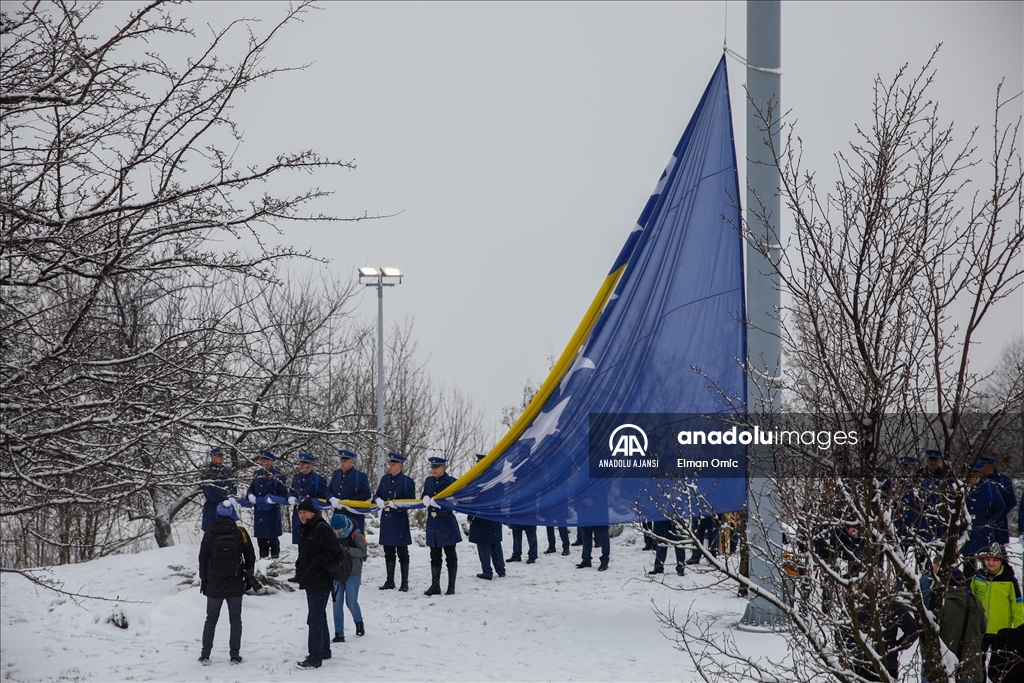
x=628 y=440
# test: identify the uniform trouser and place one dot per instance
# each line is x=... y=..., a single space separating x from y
x=269 y=546
x=451 y=558
x=213 y=606
x=487 y=553
x=346 y=593
x=401 y=550
x=319 y=643
x=563 y=535
x=706 y=531
x=517 y=540
x=661 y=552
x=598 y=534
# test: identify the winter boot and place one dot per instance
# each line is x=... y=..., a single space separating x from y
x=680 y=568
x=404 y=588
x=659 y=568
x=550 y=549
x=452 y=571
x=360 y=631
x=390 y=583
x=435 y=581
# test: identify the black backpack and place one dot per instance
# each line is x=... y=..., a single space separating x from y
x=226 y=555
x=341 y=570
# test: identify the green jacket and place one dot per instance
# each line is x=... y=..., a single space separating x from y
x=961 y=627
x=1000 y=595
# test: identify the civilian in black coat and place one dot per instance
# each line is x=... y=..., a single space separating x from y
x=226 y=561
x=318 y=548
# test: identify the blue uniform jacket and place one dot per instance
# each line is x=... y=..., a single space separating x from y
x=484 y=531
x=394 y=524
x=985 y=504
x=442 y=527
x=267 y=516
x=1002 y=525
x=310 y=485
x=351 y=485
x=218 y=484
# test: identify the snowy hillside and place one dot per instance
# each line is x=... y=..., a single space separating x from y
x=547 y=621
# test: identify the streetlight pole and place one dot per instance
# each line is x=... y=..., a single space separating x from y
x=376 y=277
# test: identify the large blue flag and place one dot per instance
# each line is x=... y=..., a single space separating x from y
x=664 y=337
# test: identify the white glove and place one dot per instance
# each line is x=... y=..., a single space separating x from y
x=231 y=499
x=335 y=502
x=428 y=502
x=252 y=498
x=292 y=500
x=380 y=503
x=270 y=502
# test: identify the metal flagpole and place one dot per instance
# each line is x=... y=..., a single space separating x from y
x=764 y=80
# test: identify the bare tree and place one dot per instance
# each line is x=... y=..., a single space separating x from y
x=117 y=352
x=889 y=277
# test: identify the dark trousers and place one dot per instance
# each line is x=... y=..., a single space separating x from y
x=661 y=552
x=319 y=632
x=269 y=546
x=596 y=534
x=706 y=530
x=401 y=550
x=234 y=618
x=487 y=553
x=451 y=558
x=563 y=534
x=517 y=540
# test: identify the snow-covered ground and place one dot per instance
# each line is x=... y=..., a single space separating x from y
x=547 y=621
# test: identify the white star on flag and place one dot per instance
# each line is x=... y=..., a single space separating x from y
x=580 y=363
x=545 y=424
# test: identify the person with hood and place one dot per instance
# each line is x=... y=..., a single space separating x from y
x=318 y=548
x=999 y=593
x=962 y=625
x=226 y=562
x=346 y=593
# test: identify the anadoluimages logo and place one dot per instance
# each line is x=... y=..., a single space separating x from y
x=628 y=440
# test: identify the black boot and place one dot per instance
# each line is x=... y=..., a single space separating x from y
x=404 y=588
x=390 y=583
x=452 y=571
x=680 y=568
x=360 y=631
x=551 y=549
x=659 y=568
x=435 y=581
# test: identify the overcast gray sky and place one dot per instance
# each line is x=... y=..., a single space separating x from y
x=520 y=141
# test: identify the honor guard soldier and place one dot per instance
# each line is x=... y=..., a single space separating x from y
x=266 y=527
x=305 y=484
x=1001 y=533
x=487 y=537
x=218 y=485
x=348 y=483
x=442 y=529
x=394 y=522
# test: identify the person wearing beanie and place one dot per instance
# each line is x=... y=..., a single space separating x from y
x=226 y=561
x=346 y=593
x=318 y=548
x=999 y=593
